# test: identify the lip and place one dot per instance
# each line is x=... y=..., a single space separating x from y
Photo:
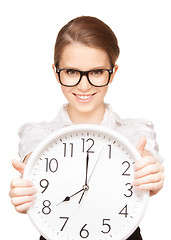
x=84 y=98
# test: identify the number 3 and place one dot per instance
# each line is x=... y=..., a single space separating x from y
x=129 y=189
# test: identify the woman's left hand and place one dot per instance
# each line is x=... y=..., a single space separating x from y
x=149 y=173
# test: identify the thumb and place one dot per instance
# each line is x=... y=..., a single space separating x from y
x=19 y=166
x=141 y=145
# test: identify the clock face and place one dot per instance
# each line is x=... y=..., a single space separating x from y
x=84 y=176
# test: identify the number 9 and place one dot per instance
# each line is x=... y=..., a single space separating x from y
x=44 y=183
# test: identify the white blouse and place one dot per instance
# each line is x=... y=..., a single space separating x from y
x=31 y=134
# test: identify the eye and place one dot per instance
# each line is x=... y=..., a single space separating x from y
x=97 y=72
x=71 y=72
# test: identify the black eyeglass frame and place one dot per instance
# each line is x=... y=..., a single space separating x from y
x=82 y=73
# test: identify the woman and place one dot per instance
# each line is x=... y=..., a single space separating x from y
x=85 y=57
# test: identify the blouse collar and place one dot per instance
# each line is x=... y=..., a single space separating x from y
x=110 y=119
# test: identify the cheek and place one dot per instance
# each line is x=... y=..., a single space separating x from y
x=66 y=91
x=103 y=91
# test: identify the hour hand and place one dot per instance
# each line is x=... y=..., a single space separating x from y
x=67 y=199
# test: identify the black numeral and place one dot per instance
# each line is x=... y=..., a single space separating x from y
x=125 y=173
x=130 y=192
x=46 y=209
x=124 y=211
x=65 y=149
x=66 y=220
x=44 y=183
x=90 y=142
x=109 y=151
x=108 y=227
x=84 y=232
x=51 y=165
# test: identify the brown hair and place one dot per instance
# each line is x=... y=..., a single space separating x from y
x=89 y=31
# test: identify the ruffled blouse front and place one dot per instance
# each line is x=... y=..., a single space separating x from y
x=31 y=134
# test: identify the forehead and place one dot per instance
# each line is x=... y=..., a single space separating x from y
x=77 y=55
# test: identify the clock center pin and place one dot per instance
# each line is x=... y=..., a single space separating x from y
x=86 y=187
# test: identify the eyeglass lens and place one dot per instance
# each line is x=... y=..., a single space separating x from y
x=97 y=77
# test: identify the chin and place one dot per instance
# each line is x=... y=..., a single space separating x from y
x=85 y=109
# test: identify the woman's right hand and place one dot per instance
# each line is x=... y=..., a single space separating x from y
x=22 y=191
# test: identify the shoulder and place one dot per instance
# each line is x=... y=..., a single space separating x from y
x=125 y=125
x=44 y=128
x=131 y=128
x=134 y=128
x=32 y=133
x=137 y=124
x=31 y=128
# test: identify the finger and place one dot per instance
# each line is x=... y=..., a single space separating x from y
x=148 y=170
x=152 y=187
x=19 y=166
x=20 y=182
x=24 y=207
x=141 y=145
x=19 y=192
x=16 y=201
x=153 y=178
x=145 y=162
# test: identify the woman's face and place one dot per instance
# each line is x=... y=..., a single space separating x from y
x=84 y=97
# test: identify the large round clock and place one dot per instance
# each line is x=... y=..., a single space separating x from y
x=84 y=176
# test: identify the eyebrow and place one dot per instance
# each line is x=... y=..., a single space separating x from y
x=94 y=68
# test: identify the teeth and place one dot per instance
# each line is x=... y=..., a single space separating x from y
x=83 y=97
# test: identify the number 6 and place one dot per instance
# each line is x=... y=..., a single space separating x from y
x=84 y=231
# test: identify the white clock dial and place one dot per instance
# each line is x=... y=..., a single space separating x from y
x=84 y=176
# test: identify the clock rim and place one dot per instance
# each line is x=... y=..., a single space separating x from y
x=86 y=127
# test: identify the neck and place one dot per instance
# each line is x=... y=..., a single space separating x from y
x=91 y=117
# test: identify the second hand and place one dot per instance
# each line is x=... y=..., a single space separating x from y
x=85 y=187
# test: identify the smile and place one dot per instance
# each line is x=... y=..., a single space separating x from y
x=84 y=98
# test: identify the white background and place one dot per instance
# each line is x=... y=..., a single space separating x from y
x=29 y=91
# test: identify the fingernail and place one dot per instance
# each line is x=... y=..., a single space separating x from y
x=33 y=198
x=34 y=190
x=135 y=176
x=135 y=183
x=30 y=183
x=31 y=203
x=137 y=188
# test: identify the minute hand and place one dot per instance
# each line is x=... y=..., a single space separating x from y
x=87 y=162
x=86 y=187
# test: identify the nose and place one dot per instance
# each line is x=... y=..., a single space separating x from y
x=84 y=84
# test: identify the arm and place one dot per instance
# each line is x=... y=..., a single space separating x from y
x=149 y=173
x=21 y=190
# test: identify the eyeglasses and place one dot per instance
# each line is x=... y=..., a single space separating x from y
x=72 y=77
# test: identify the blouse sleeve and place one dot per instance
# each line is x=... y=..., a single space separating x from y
x=136 y=128
x=31 y=134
